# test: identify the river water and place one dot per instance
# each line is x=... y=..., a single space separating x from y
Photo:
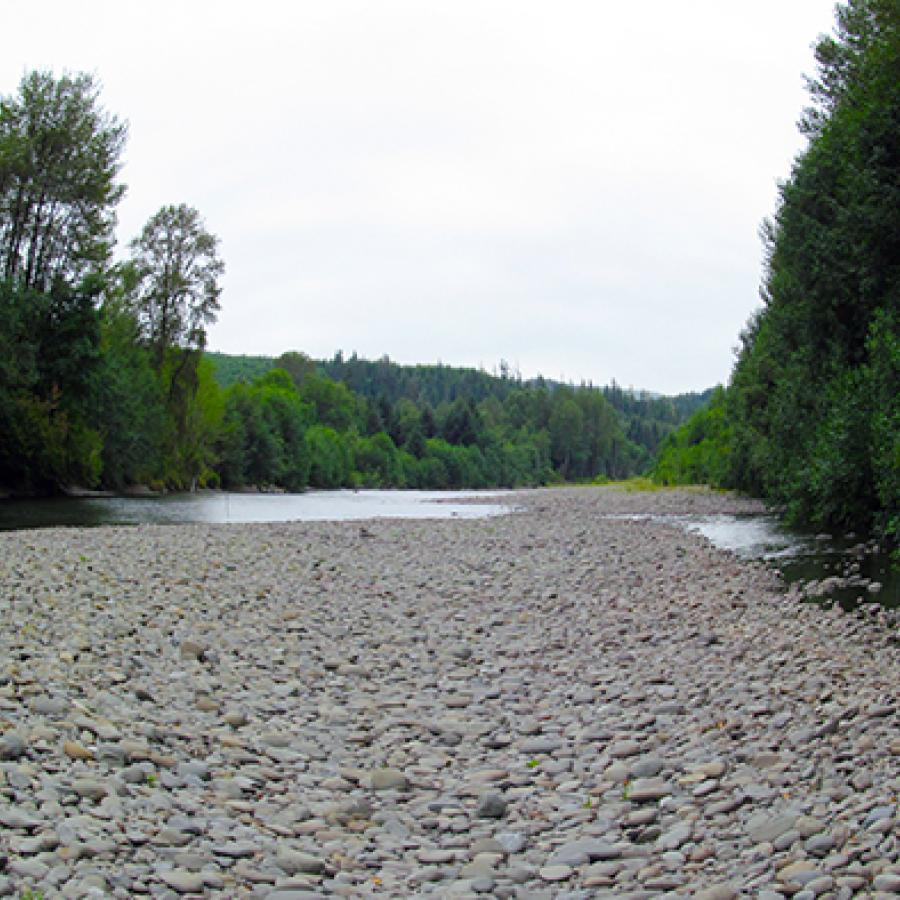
x=218 y=508
x=843 y=567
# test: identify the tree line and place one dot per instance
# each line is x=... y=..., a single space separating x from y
x=104 y=379
x=568 y=432
x=810 y=418
x=295 y=426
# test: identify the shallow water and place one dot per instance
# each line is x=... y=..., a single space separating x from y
x=800 y=557
x=805 y=558
x=217 y=508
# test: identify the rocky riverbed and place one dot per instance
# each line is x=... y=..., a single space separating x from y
x=553 y=703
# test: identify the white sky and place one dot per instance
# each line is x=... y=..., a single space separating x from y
x=573 y=186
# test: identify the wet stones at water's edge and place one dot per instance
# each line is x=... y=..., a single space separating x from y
x=548 y=704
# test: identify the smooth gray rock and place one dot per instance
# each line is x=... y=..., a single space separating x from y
x=388 y=780
x=647 y=767
x=293 y=861
x=235 y=849
x=511 y=841
x=182 y=881
x=50 y=706
x=541 y=744
x=12 y=746
x=491 y=806
x=644 y=790
x=763 y=827
x=888 y=882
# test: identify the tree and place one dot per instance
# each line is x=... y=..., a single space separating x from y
x=127 y=405
x=59 y=158
x=263 y=440
x=333 y=402
x=298 y=365
x=566 y=430
x=809 y=419
x=177 y=269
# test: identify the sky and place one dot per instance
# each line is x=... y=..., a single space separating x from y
x=573 y=187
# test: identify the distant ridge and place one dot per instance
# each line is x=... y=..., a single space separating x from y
x=647 y=417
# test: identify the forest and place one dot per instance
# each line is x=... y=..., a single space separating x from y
x=105 y=378
x=810 y=419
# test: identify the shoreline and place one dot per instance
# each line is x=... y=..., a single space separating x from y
x=548 y=702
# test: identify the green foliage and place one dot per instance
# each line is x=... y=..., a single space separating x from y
x=523 y=432
x=700 y=451
x=330 y=458
x=59 y=157
x=377 y=461
x=50 y=348
x=176 y=290
x=810 y=419
x=128 y=405
x=198 y=416
x=649 y=418
x=883 y=387
x=815 y=385
x=230 y=369
x=264 y=435
x=103 y=378
x=333 y=404
x=298 y=365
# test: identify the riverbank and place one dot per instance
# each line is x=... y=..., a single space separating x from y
x=551 y=703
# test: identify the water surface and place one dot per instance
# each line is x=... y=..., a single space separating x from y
x=220 y=507
x=802 y=557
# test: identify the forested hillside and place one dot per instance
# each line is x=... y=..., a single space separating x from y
x=230 y=369
x=810 y=419
x=614 y=441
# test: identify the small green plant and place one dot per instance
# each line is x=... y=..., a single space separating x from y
x=532 y=764
x=626 y=788
x=29 y=894
x=151 y=779
x=588 y=804
x=640 y=484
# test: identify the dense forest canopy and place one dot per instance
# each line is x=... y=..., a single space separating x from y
x=810 y=419
x=444 y=426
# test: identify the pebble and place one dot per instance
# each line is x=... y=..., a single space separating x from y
x=491 y=806
x=555 y=873
x=182 y=881
x=564 y=702
x=12 y=746
x=887 y=881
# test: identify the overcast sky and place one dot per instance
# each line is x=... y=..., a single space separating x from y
x=574 y=187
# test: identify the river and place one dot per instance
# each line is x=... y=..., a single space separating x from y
x=217 y=507
x=843 y=569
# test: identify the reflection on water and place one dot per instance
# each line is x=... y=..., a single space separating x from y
x=751 y=536
x=839 y=570
x=843 y=568
x=215 y=507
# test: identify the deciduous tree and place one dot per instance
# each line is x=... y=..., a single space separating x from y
x=178 y=268
x=59 y=160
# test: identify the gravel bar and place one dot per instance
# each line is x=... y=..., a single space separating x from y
x=557 y=703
